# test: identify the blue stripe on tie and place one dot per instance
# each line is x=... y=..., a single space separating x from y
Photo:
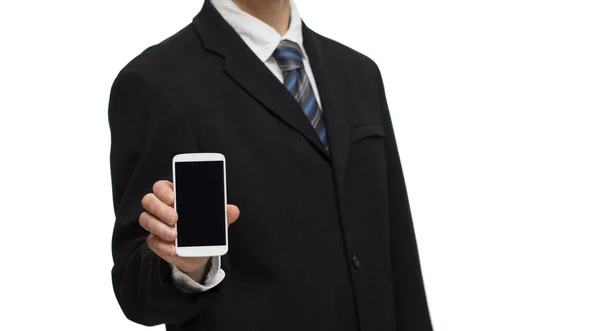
x=292 y=82
x=322 y=135
x=309 y=105
x=289 y=54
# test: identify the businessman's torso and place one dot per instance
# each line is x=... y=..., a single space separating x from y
x=311 y=248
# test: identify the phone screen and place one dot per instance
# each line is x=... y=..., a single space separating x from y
x=200 y=203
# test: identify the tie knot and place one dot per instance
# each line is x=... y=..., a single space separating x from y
x=288 y=56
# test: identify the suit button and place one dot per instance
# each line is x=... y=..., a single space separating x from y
x=355 y=261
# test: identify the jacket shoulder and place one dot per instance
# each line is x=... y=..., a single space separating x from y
x=347 y=56
x=165 y=57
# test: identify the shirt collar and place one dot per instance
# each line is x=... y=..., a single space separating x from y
x=259 y=36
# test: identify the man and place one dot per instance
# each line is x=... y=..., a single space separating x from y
x=326 y=240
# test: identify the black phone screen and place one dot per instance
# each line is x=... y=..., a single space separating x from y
x=200 y=203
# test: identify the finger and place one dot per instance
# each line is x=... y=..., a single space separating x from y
x=164 y=249
x=233 y=213
x=163 y=189
x=156 y=227
x=159 y=209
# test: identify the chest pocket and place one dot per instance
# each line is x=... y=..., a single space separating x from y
x=366 y=131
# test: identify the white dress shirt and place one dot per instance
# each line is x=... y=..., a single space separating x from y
x=262 y=39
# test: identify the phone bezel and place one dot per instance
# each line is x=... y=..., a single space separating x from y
x=201 y=251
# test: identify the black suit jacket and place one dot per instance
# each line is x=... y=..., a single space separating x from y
x=323 y=242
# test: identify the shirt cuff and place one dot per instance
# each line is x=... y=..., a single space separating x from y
x=213 y=278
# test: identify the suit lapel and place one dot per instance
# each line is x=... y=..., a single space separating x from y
x=242 y=65
x=333 y=99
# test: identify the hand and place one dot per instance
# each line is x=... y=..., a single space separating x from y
x=160 y=218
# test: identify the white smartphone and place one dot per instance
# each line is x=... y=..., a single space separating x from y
x=199 y=183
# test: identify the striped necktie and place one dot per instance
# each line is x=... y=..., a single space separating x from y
x=288 y=56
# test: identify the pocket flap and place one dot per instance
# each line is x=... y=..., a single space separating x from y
x=364 y=131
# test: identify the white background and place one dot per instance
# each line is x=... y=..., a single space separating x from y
x=496 y=107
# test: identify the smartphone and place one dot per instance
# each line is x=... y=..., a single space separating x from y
x=201 y=204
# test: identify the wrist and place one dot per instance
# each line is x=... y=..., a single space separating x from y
x=196 y=275
x=199 y=275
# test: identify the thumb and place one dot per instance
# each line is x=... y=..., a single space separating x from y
x=233 y=212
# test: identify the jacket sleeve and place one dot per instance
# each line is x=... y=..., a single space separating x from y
x=146 y=132
x=411 y=308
